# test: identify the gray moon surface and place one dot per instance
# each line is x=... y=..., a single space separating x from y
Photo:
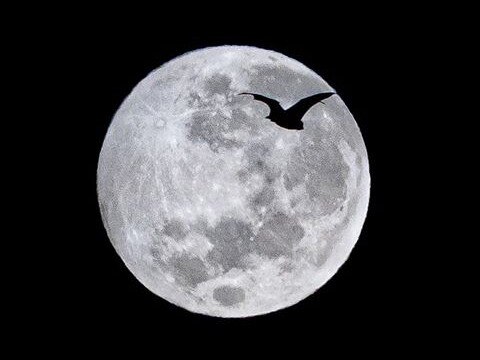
x=214 y=207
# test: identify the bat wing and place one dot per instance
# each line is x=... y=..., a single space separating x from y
x=274 y=105
x=301 y=107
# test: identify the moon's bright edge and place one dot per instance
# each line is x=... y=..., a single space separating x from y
x=219 y=210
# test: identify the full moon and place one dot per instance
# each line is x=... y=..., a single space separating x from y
x=213 y=206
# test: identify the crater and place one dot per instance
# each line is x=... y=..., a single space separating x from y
x=156 y=254
x=229 y=295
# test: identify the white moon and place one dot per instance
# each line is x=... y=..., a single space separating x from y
x=219 y=210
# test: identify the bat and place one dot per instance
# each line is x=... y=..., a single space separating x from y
x=292 y=117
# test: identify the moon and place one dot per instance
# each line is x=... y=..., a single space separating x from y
x=217 y=209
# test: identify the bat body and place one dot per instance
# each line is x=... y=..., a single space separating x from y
x=292 y=117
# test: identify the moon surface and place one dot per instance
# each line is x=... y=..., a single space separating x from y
x=214 y=207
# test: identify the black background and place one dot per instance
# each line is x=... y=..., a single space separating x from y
x=378 y=299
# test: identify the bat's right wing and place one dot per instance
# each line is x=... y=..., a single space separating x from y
x=274 y=105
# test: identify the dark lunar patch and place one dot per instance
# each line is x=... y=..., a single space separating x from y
x=326 y=182
x=242 y=119
x=156 y=253
x=175 y=229
x=256 y=151
x=194 y=99
x=189 y=271
x=212 y=129
x=278 y=236
x=231 y=240
x=218 y=84
x=287 y=182
x=321 y=257
x=322 y=161
x=257 y=163
x=358 y=163
x=269 y=178
x=243 y=175
x=263 y=198
x=347 y=129
x=295 y=174
x=228 y=295
x=324 y=253
x=200 y=226
x=259 y=166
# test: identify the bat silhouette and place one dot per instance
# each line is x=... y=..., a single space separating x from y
x=292 y=117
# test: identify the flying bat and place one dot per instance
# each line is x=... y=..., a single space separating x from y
x=292 y=117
